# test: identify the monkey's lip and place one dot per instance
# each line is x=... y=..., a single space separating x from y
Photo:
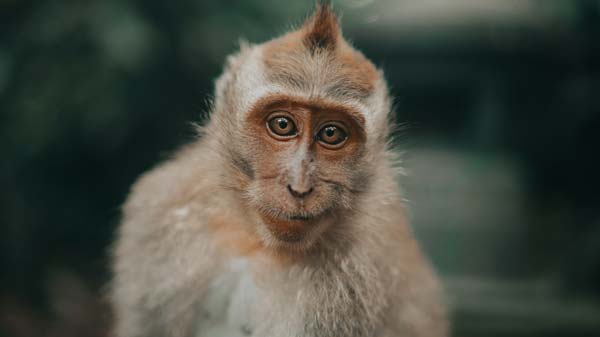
x=299 y=217
x=296 y=222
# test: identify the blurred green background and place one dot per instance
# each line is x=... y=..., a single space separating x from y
x=500 y=111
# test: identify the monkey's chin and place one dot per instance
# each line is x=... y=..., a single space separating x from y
x=297 y=232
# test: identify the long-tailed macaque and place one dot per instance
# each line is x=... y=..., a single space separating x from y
x=284 y=218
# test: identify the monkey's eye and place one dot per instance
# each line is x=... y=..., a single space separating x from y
x=332 y=136
x=282 y=127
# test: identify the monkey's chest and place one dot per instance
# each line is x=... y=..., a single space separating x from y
x=227 y=308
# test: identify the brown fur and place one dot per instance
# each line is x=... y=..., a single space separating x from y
x=290 y=59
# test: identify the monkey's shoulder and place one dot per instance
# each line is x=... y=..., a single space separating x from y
x=170 y=206
x=188 y=174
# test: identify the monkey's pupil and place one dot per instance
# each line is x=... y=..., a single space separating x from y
x=283 y=123
x=330 y=131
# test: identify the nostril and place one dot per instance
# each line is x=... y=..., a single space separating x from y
x=299 y=194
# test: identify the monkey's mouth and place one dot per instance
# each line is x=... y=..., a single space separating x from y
x=287 y=214
x=301 y=217
x=291 y=217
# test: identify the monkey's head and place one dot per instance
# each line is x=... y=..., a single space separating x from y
x=304 y=121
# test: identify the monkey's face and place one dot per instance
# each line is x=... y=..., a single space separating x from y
x=305 y=162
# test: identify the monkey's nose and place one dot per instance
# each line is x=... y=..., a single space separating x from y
x=299 y=194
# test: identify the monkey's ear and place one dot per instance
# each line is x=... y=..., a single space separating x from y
x=322 y=29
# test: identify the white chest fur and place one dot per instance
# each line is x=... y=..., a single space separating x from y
x=227 y=308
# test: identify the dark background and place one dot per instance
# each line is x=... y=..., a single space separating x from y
x=499 y=105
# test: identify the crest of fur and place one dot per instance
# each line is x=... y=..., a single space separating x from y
x=322 y=30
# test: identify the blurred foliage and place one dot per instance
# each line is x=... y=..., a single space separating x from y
x=92 y=93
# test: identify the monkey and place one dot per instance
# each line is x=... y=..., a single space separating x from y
x=284 y=217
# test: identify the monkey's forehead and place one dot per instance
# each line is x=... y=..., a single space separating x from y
x=339 y=71
x=316 y=57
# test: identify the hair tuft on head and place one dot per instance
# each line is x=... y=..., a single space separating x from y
x=322 y=29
